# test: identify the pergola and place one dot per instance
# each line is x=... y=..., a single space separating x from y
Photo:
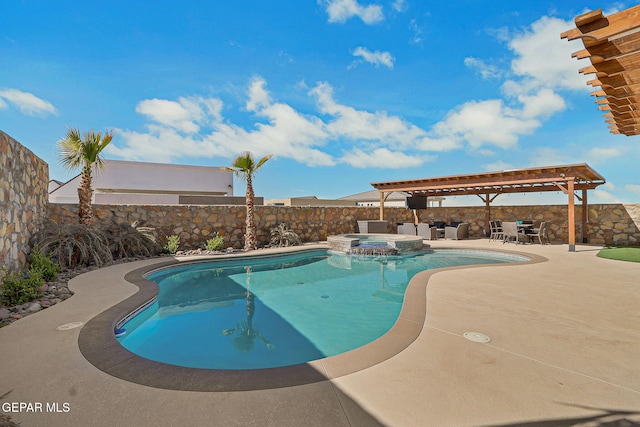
x=612 y=44
x=489 y=185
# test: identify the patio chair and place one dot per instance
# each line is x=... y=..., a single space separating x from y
x=461 y=231
x=407 y=228
x=427 y=231
x=512 y=233
x=496 y=230
x=540 y=233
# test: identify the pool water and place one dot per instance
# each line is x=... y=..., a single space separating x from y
x=276 y=311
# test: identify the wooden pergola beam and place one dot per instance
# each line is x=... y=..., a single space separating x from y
x=612 y=45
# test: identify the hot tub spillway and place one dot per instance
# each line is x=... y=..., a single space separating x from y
x=374 y=244
x=375 y=249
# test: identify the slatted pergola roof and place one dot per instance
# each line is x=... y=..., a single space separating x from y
x=612 y=44
x=489 y=185
x=547 y=178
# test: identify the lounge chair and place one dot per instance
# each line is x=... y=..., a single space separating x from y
x=461 y=231
x=427 y=231
x=407 y=228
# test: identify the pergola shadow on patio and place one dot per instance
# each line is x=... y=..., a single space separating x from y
x=489 y=185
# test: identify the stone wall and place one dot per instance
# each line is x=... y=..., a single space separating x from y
x=614 y=223
x=24 y=180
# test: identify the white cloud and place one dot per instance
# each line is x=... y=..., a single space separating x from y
x=541 y=55
x=634 y=188
x=376 y=58
x=342 y=10
x=544 y=103
x=400 y=5
x=602 y=196
x=498 y=166
x=379 y=127
x=486 y=122
x=381 y=158
x=486 y=71
x=545 y=156
x=26 y=102
x=416 y=32
x=258 y=95
x=186 y=115
x=176 y=131
x=599 y=154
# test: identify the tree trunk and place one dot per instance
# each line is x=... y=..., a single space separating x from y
x=85 y=214
x=250 y=240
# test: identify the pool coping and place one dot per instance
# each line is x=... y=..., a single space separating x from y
x=98 y=344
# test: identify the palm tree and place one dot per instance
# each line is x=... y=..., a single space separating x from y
x=83 y=150
x=244 y=166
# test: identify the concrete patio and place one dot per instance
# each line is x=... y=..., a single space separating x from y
x=564 y=350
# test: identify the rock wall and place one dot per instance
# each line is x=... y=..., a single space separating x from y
x=607 y=224
x=24 y=180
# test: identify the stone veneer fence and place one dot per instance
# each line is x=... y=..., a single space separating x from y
x=607 y=224
x=24 y=181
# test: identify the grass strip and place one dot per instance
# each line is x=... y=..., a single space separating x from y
x=621 y=253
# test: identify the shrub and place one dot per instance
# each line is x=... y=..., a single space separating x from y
x=216 y=243
x=130 y=240
x=42 y=264
x=282 y=236
x=74 y=245
x=172 y=245
x=19 y=288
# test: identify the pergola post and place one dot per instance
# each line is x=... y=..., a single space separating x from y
x=382 y=205
x=571 y=223
x=487 y=215
x=585 y=218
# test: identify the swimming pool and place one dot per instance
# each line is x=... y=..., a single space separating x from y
x=266 y=312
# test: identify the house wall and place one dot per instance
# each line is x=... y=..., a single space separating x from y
x=125 y=182
x=24 y=180
x=607 y=224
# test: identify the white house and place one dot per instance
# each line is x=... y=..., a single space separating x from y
x=139 y=183
x=396 y=199
x=309 y=201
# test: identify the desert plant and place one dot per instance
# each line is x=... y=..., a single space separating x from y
x=216 y=243
x=43 y=264
x=126 y=240
x=74 y=245
x=282 y=236
x=19 y=288
x=172 y=245
x=244 y=166
x=84 y=151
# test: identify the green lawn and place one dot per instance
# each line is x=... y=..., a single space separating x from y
x=622 y=253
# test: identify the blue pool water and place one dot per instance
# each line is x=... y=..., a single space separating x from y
x=281 y=310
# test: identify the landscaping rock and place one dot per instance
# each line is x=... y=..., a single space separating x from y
x=4 y=313
x=34 y=307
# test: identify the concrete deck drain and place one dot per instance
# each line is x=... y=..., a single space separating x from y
x=68 y=326
x=476 y=337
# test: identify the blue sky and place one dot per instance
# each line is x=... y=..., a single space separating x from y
x=342 y=92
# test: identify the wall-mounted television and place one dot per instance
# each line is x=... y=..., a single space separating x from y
x=417 y=202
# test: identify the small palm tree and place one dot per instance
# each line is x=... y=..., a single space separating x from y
x=244 y=166
x=83 y=150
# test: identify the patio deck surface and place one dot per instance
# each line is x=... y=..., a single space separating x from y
x=564 y=350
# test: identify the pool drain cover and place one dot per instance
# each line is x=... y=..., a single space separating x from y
x=476 y=337
x=68 y=326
